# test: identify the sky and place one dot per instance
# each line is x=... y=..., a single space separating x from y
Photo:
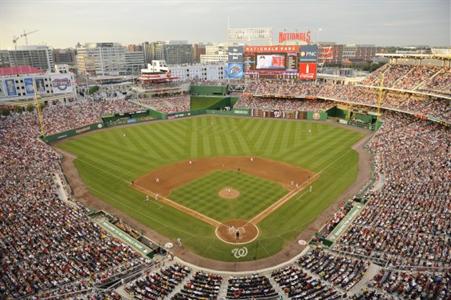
x=63 y=23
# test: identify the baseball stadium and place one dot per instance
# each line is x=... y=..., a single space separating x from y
x=280 y=184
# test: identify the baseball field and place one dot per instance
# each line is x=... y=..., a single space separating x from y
x=220 y=183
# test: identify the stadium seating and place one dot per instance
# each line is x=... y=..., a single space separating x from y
x=250 y=287
x=47 y=246
x=167 y=104
x=341 y=271
x=50 y=248
x=158 y=285
x=201 y=286
x=406 y=222
x=297 y=284
x=413 y=285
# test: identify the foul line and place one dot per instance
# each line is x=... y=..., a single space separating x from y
x=273 y=207
x=179 y=207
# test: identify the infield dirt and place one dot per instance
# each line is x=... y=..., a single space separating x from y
x=166 y=178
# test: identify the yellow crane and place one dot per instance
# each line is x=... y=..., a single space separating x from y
x=37 y=105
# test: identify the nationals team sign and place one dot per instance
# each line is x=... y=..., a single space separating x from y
x=61 y=83
x=294 y=36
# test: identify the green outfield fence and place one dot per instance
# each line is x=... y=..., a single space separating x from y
x=211 y=102
x=109 y=121
x=73 y=132
x=149 y=115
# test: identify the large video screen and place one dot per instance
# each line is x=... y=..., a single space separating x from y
x=270 y=61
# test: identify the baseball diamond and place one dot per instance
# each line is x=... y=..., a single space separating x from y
x=183 y=164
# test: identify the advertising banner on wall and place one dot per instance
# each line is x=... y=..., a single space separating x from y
x=40 y=86
x=326 y=53
x=28 y=82
x=235 y=70
x=61 y=83
x=308 y=53
x=307 y=71
x=235 y=54
x=10 y=87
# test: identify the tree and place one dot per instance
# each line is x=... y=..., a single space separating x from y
x=93 y=89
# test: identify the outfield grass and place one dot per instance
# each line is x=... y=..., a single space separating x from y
x=202 y=195
x=109 y=159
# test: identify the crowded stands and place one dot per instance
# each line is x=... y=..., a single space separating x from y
x=62 y=117
x=297 y=284
x=287 y=105
x=407 y=222
x=158 y=285
x=201 y=286
x=167 y=104
x=250 y=287
x=341 y=271
x=47 y=247
x=413 y=285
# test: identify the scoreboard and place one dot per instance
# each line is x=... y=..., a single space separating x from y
x=280 y=61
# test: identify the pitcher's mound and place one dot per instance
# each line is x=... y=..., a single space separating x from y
x=228 y=193
x=237 y=232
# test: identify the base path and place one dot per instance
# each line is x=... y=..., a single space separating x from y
x=180 y=207
x=166 y=178
x=273 y=207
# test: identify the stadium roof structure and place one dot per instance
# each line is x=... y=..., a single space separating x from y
x=444 y=56
x=8 y=71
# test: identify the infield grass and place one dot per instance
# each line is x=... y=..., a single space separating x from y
x=109 y=159
x=202 y=195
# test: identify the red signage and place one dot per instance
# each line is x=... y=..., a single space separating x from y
x=326 y=53
x=295 y=36
x=271 y=49
x=307 y=71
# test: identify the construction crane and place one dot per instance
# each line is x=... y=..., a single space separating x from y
x=25 y=35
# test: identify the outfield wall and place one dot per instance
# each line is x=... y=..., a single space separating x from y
x=149 y=115
x=70 y=133
x=109 y=121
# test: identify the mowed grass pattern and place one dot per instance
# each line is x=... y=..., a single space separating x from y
x=109 y=159
x=202 y=195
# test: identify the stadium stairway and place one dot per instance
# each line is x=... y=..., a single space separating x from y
x=373 y=269
x=274 y=284
x=178 y=288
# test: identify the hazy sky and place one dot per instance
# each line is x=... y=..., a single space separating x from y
x=63 y=23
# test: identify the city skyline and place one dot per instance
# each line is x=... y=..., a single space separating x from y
x=63 y=23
